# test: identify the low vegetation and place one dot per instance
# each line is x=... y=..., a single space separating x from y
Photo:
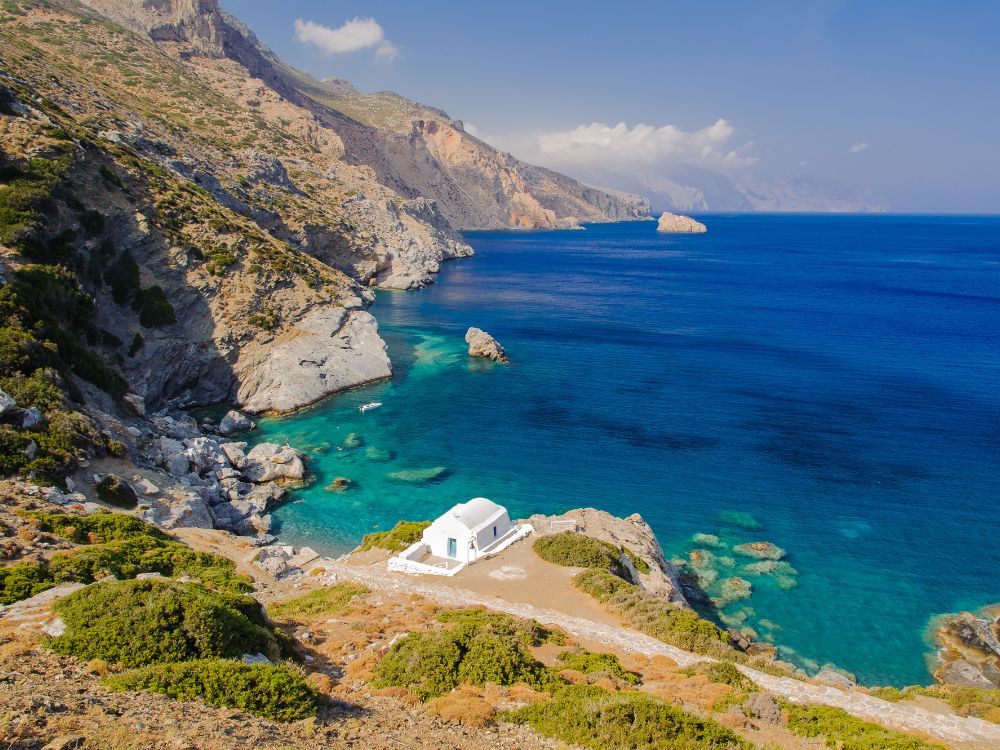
x=581 y=551
x=964 y=701
x=654 y=616
x=323 y=601
x=401 y=536
x=591 y=663
x=118 y=545
x=275 y=692
x=480 y=647
x=842 y=731
x=138 y=623
x=590 y=717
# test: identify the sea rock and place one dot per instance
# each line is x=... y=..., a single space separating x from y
x=481 y=344
x=969 y=649
x=680 y=224
x=836 y=679
x=7 y=403
x=771 y=567
x=267 y=462
x=418 y=476
x=234 y=422
x=340 y=484
x=741 y=519
x=760 y=550
x=330 y=349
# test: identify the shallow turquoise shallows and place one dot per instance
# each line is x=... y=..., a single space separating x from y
x=828 y=384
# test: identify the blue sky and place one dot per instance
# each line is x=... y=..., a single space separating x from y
x=903 y=98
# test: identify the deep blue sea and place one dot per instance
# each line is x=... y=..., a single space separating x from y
x=830 y=384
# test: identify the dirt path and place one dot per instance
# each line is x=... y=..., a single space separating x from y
x=966 y=731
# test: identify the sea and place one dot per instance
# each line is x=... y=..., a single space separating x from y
x=829 y=384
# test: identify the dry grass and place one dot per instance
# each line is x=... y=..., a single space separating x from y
x=463 y=705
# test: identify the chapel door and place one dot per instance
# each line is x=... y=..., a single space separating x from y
x=452 y=547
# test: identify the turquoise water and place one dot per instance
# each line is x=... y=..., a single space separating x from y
x=833 y=378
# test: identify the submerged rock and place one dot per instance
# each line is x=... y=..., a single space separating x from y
x=378 y=454
x=677 y=223
x=771 y=567
x=340 y=484
x=707 y=540
x=353 y=440
x=741 y=519
x=760 y=550
x=481 y=344
x=733 y=590
x=418 y=476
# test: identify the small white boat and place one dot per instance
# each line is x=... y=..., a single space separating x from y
x=368 y=407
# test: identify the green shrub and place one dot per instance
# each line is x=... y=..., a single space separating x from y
x=122 y=546
x=273 y=692
x=655 y=616
x=476 y=650
x=137 y=623
x=123 y=277
x=637 y=562
x=526 y=632
x=323 y=601
x=23 y=580
x=114 y=491
x=842 y=731
x=590 y=662
x=96 y=528
x=581 y=551
x=590 y=717
x=401 y=536
x=154 y=308
x=726 y=673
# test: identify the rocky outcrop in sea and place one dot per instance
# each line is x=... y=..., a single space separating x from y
x=678 y=224
x=481 y=344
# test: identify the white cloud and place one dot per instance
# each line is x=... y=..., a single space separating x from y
x=356 y=34
x=857 y=148
x=601 y=145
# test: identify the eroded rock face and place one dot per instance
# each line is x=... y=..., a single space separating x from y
x=327 y=351
x=632 y=533
x=481 y=344
x=269 y=462
x=680 y=224
x=969 y=654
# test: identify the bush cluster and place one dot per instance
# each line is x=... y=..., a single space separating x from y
x=327 y=600
x=401 y=536
x=479 y=648
x=842 y=731
x=118 y=545
x=138 y=623
x=596 y=663
x=581 y=551
x=655 y=616
x=587 y=716
x=276 y=692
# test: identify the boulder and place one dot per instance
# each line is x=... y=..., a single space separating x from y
x=235 y=453
x=235 y=422
x=764 y=706
x=113 y=491
x=481 y=344
x=269 y=462
x=135 y=403
x=6 y=403
x=31 y=418
x=678 y=224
